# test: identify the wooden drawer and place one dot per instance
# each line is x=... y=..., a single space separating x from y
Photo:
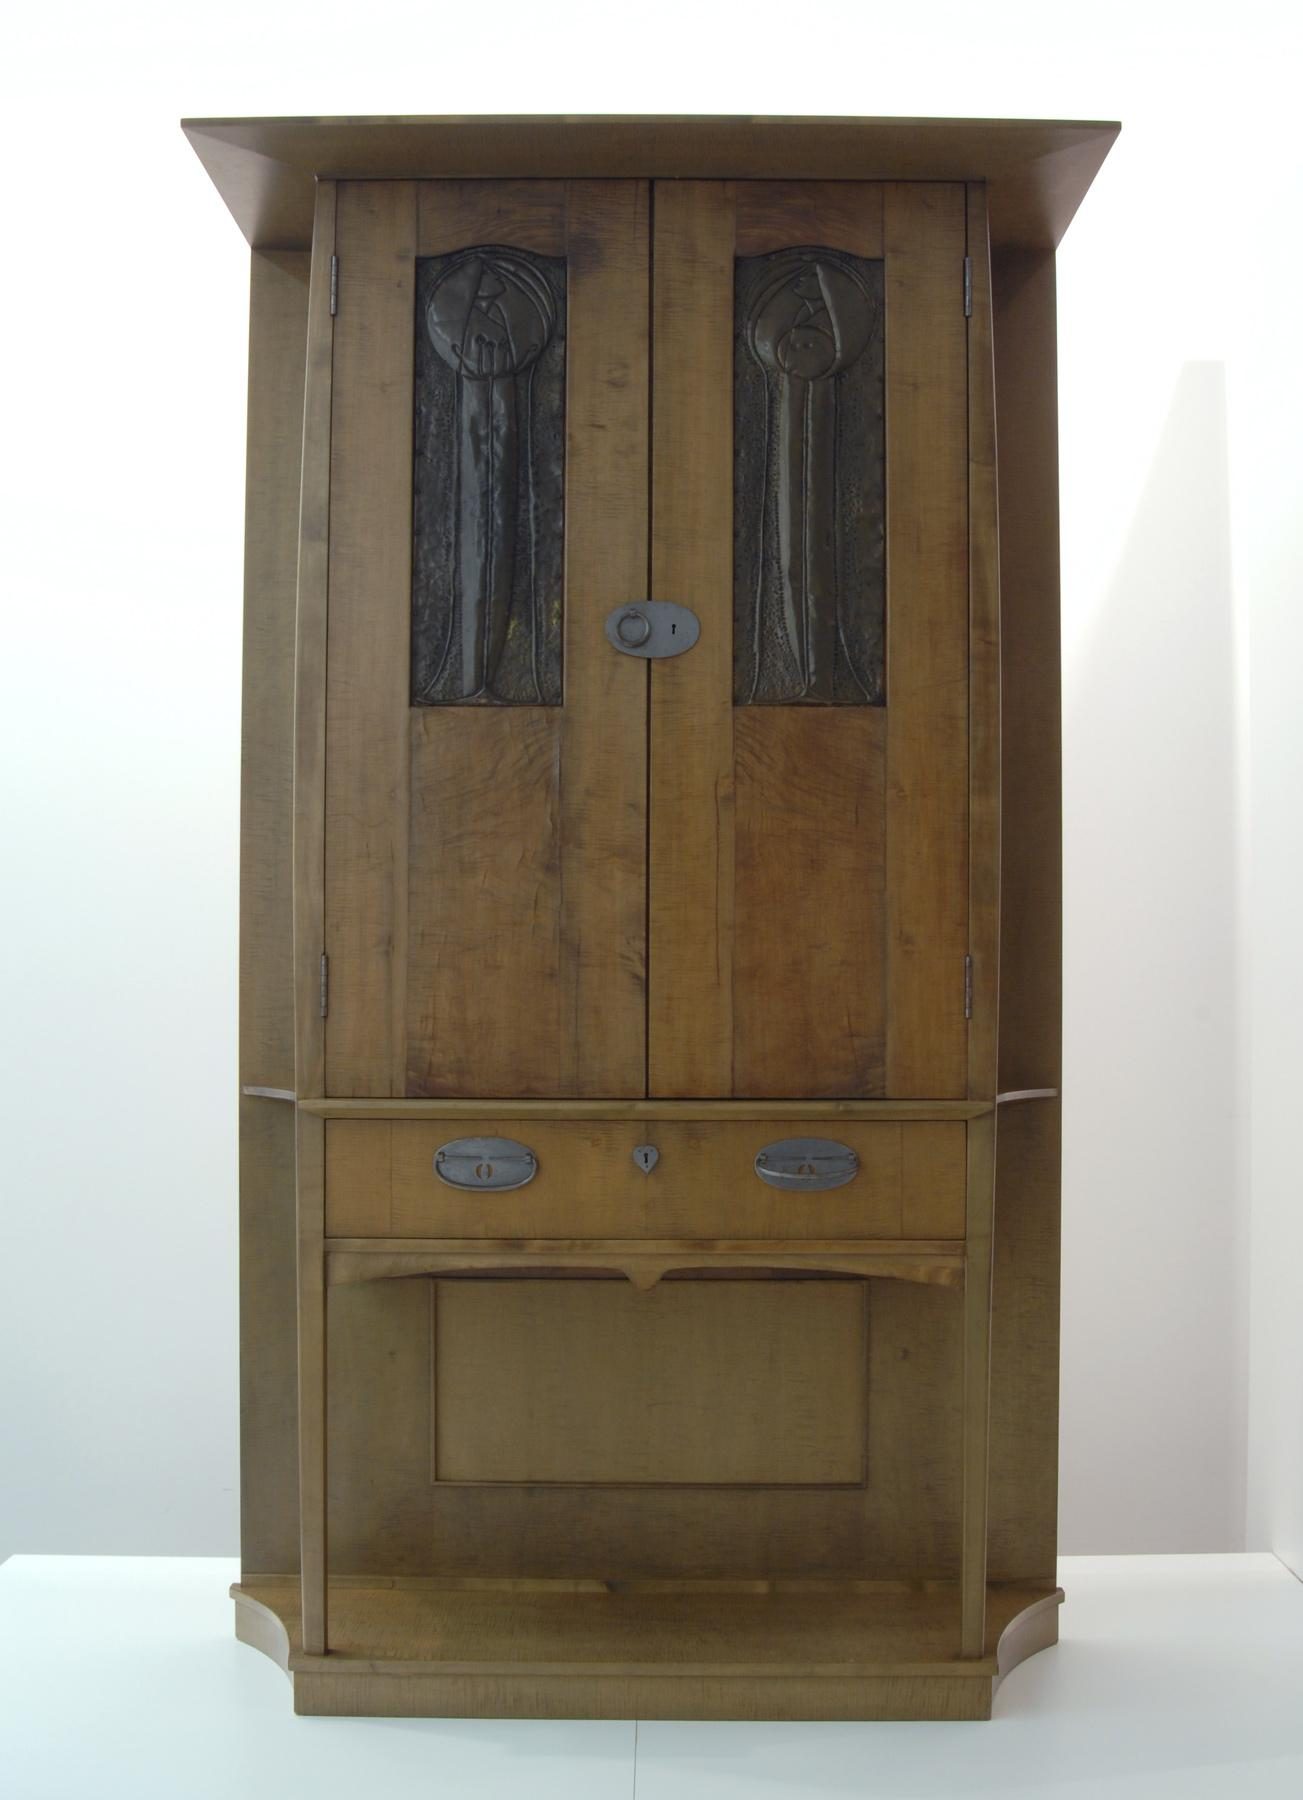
x=380 y=1181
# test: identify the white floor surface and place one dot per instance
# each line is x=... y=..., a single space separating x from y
x=1178 y=1678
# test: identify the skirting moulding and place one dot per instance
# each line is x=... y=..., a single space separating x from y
x=649 y=1195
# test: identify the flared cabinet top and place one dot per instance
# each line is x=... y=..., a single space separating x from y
x=1037 y=170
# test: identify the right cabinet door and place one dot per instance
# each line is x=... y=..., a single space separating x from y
x=809 y=781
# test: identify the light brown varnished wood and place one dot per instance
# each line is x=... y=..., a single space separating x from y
x=486 y=918
x=644 y=1264
x=453 y=215
x=311 y=639
x=367 y=756
x=809 y=1014
x=566 y=1382
x=979 y=1247
x=691 y=845
x=602 y=1040
x=278 y=312
x=483 y=977
x=809 y=866
x=386 y=1519
x=380 y=1181
x=312 y=1328
x=1025 y=1303
x=1038 y=169
x=774 y=215
x=880 y=1110
x=927 y=641
x=947 y=1488
x=984 y=662
x=831 y=1652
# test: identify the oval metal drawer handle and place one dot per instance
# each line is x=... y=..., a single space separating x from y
x=807 y=1165
x=488 y=1165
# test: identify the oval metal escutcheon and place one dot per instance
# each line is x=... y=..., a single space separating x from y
x=488 y=1165
x=807 y=1165
x=652 y=628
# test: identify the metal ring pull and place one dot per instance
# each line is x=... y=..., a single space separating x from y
x=633 y=628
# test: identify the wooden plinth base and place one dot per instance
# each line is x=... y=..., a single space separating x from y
x=578 y=1650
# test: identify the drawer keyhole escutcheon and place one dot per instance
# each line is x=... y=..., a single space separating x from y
x=646 y=1156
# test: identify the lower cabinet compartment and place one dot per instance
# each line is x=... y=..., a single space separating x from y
x=590 y=1180
x=706 y=1429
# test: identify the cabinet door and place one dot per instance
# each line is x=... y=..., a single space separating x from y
x=809 y=759
x=485 y=837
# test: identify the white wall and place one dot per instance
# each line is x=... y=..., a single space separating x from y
x=123 y=325
x=1269 y=556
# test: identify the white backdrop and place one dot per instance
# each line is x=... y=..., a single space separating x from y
x=124 y=311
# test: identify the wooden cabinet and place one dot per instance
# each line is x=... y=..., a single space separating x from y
x=651 y=911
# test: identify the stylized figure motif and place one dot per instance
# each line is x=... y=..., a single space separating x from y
x=489 y=318
x=810 y=318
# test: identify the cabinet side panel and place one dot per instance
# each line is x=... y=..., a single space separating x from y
x=984 y=661
x=1025 y=1327
x=268 y=1473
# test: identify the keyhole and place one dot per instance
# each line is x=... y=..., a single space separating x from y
x=484 y=1171
x=806 y=1169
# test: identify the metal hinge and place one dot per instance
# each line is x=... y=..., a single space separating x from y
x=968 y=288
x=324 y=995
x=334 y=286
x=968 y=987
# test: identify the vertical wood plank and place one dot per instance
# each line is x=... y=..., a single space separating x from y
x=278 y=309
x=369 y=628
x=1031 y=968
x=310 y=661
x=1025 y=1336
x=977 y=1381
x=486 y=903
x=984 y=663
x=312 y=1380
x=603 y=819
x=809 y=901
x=691 y=873
x=927 y=640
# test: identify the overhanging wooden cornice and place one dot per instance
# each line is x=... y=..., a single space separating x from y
x=1038 y=170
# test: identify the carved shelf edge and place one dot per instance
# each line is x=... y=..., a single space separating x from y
x=938 y=1263
x=1013 y=1095
x=885 y=1110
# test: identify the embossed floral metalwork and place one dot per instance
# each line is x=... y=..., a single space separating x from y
x=488 y=483
x=809 y=479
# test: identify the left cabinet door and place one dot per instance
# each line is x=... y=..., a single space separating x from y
x=486 y=781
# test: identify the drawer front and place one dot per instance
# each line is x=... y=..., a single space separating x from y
x=380 y=1181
